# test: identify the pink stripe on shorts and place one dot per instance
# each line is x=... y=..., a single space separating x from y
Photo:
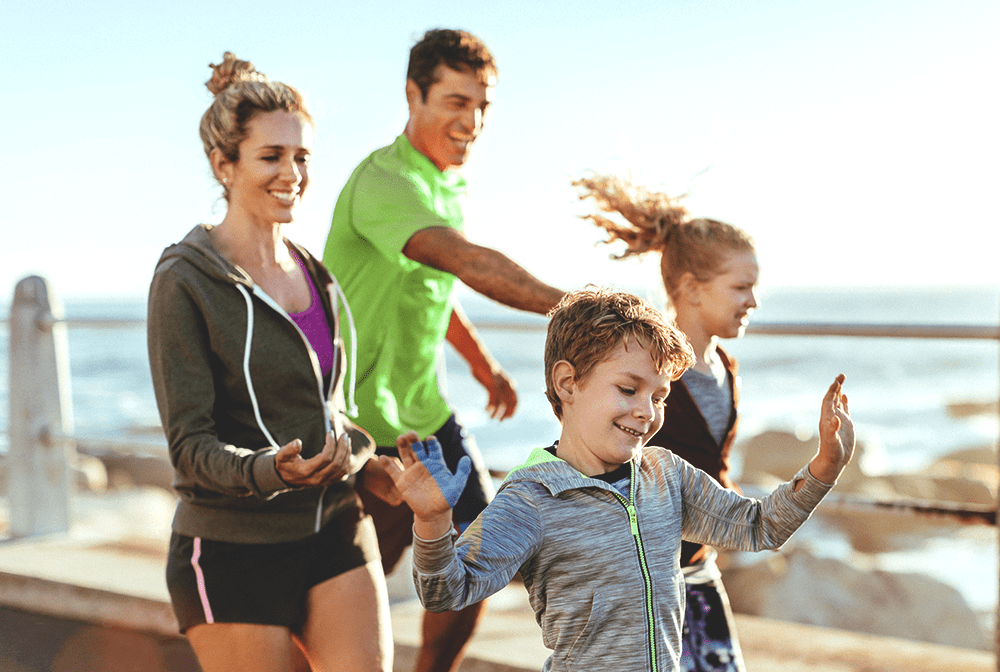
x=200 y=576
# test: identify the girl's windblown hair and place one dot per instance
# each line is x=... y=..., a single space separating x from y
x=651 y=221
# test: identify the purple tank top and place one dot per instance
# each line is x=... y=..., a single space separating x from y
x=312 y=322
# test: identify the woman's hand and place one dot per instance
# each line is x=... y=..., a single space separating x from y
x=332 y=464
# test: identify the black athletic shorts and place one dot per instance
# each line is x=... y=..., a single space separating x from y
x=266 y=584
x=394 y=524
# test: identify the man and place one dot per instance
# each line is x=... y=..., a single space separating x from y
x=397 y=246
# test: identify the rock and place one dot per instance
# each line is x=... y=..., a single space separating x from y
x=941 y=488
x=965 y=409
x=140 y=516
x=775 y=452
x=782 y=454
x=761 y=479
x=800 y=587
x=87 y=474
x=90 y=474
x=985 y=455
x=973 y=469
x=966 y=476
x=128 y=470
x=883 y=531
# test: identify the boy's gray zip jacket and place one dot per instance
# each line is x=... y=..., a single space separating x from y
x=602 y=569
x=236 y=379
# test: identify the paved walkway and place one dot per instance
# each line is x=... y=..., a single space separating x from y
x=120 y=582
x=509 y=640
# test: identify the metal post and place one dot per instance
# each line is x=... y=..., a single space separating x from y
x=41 y=413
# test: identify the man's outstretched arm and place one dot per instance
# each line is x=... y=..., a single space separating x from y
x=484 y=269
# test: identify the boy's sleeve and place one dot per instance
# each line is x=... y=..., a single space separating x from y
x=450 y=575
x=719 y=517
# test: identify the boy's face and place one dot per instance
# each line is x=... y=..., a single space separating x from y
x=610 y=415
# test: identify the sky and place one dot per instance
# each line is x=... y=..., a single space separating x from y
x=856 y=140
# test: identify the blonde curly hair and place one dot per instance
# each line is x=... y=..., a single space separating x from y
x=651 y=221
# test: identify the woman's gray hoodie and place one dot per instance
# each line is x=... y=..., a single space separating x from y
x=236 y=379
x=603 y=570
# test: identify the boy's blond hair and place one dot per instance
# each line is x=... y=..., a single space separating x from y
x=587 y=325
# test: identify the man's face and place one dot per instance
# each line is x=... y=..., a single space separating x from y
x=444 y=126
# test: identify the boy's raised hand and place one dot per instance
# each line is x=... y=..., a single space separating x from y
x=451 y=485
x=426 y=483
x=836 y=435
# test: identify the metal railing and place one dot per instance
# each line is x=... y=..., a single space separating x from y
x=959 y=512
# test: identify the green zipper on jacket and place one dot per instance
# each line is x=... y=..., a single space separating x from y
x=633 y=522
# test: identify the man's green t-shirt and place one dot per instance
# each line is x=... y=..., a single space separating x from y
x=401 y=308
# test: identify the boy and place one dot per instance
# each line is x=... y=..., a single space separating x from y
x=594 y=523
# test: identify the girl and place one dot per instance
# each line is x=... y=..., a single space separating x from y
x=270 y=551
x=709 y=271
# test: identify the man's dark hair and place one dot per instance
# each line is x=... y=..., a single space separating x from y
x=459 y=50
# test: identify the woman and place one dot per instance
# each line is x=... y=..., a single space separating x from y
x=709 y=270
x=269 y=547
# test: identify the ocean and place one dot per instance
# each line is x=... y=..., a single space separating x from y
x=899 y=389
x=902 y=391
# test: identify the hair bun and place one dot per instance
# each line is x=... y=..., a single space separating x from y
x=231 y=71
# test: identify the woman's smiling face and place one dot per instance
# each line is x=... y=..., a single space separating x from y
x=268 y=179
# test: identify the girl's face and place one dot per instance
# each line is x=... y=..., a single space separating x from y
x=271 y=174
x=726 y=301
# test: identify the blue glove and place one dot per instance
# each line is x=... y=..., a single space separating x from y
x=451 y=485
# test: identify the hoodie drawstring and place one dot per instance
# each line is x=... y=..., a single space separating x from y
x=352 y=408
x=246 y=367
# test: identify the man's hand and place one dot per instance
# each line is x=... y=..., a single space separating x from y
x=836 y=435
x=462 y=335
x=373 y=478
x=426 y=483
x=332 y=464
x=502 y=391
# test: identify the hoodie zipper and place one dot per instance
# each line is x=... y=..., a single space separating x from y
x=314 y=360
x=633 y=522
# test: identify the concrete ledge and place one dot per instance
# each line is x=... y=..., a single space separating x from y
x=88 y=605
x=120 y=583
